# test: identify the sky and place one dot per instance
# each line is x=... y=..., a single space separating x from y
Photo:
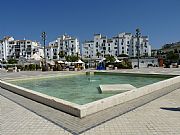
x=158 y=19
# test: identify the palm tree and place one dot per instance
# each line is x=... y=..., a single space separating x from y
x=110 y=58
x=72 y=58
x=61 y=54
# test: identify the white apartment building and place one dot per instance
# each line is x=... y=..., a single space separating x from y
x=123 y=43
x=66 y=44
x=11 y=48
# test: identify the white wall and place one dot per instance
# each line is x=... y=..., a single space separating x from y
x=116 y=47
x=143 y=63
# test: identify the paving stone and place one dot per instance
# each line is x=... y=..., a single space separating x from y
x=159 y=117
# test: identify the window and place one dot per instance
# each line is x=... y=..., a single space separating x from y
x=103 y=44
x=11 y=42
x=121 y=43
x=122 y=51
x=127 y=42
x=122 y=47
x=72 y=41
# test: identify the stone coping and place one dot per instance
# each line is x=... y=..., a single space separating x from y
x=102 y=104
x=96 y=106
x=42 y=76
x=114 y=88
x=137 y=73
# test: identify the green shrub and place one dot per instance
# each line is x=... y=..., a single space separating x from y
x=26 y=67
x=44 y=68
x=12 y=61
x=32 y=67
x=38 y=67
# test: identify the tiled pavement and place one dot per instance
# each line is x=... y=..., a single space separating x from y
x=149 y=119
x=17 y=120
x=159 y=117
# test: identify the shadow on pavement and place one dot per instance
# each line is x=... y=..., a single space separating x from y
x=171 y=109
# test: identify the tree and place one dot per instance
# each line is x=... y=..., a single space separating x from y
x=72 y=58
x=98 y=54
x=61 y=54
x=110 y=58
x=172 y=57
x=12 y=61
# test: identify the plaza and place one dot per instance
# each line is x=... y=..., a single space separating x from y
x=160 y=116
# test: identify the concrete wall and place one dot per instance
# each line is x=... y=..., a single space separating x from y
x=159 y=89
x=164 y=87
x=60 y=104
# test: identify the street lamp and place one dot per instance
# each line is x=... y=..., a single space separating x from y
x=44 y=42
x=138 y=34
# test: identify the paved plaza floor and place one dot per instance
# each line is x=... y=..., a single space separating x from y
x=159 y=117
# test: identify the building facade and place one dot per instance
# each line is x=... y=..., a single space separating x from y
x=11 y=48
x=64 y=44
x=123 y=43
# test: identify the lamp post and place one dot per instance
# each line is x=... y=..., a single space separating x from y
x=138 y=44
x=44 y=42
x=89 y=65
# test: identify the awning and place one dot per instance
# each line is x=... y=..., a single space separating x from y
x=60 y=62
